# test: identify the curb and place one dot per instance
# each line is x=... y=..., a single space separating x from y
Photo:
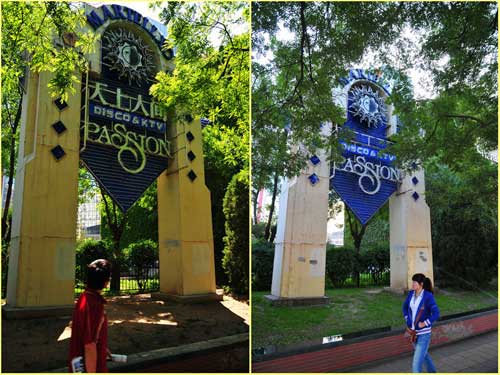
x=357 y=351
x=140 y=361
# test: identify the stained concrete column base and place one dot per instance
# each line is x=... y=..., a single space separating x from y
x=297 y=301
x=14 y=313
x=188 y=299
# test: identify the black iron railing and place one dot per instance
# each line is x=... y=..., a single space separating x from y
x=132 y=281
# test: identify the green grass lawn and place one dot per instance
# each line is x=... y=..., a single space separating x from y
x=350 y=310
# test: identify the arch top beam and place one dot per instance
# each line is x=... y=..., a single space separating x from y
x=98 y=17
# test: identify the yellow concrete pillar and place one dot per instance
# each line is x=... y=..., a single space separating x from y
x=300 y=244
x=410 y=233
x=42 y=250
x=187 y=271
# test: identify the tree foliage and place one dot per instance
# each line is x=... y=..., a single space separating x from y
x=41 y=37
x=464 y=218
x=211 y=80
x=141 y=258
x=236 y=210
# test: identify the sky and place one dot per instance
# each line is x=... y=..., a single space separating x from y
x=143 y=7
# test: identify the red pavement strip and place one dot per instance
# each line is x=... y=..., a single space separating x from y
x=359 y=353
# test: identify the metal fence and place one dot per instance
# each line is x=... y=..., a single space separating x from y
x=132 y=281
x=366 y=279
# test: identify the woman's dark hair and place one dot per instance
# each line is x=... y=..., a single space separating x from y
x=421 y=279
x=98 y=274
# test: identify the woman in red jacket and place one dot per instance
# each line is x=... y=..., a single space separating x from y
x=89 y=328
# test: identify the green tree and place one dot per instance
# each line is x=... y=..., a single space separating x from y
x=236 y=210
x=211 y=80
x=464 y=218
x=41 y=37
x=141 y=258
x=454 y=44
x=113 y=225
x=122 y=230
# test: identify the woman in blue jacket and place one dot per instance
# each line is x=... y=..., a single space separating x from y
x=420 y=304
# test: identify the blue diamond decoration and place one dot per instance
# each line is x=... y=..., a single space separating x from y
x=364 y=206
x=59 y=127
x=60 y=104
x=415 y=196
x=124 y=188
x=314 y=179
x=58 y=152
x=191 y=156
x=192 y=176
x=169 y=53
x=414 y=166
x=188 y=118
x=414 y=180
x=189 y=136
x=315 y=160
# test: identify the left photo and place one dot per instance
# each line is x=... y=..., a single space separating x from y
x=125 y=186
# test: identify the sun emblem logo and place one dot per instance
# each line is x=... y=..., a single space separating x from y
x=368 y=106
x=127 y=54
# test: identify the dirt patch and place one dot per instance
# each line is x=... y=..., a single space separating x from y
x=374 y=291
x=136 y=324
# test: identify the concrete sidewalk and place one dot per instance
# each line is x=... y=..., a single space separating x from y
x=478 y=354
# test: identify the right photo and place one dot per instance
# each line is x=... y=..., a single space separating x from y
x=374 y=187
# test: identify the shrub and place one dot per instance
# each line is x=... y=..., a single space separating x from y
x=376 y=261
x=340 y=264
x=236 y=211
x=140 y=258
x=258 y=230
x=262 y=264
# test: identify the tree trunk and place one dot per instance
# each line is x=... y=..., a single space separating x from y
x=12 y=161
x=116 y=228
x=115 y=275
x=271 y=210
x=116 y=266
x=357 y=233
x=274 y=229
x=255 y=202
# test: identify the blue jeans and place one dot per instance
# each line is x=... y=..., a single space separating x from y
x=421 y=354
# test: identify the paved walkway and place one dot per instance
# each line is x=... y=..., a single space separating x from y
x=473 y=355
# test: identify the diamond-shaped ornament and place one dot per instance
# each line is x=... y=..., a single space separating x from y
x=60 y=104
x=122 y=186
x=192 y=176
x=363 y=205
x=191 y=156
x=189 y=136
x=414 y=180
x=314 y=179
x=58 y=152
x=315 y=160
x=415 y=196
x=59 y=127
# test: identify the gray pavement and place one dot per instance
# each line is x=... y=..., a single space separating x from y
x=478 y=354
